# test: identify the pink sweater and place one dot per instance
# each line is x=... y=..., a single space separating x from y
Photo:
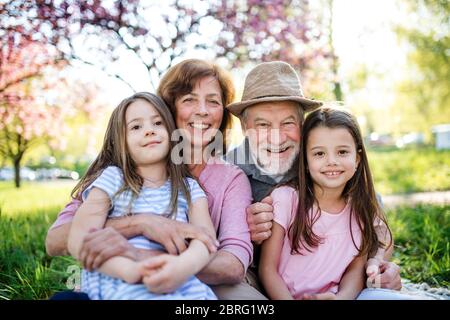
x=229 y=193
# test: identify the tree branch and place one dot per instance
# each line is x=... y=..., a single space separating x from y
x=114 y=75
x=19 y=80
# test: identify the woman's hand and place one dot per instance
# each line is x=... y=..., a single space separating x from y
x=164 y=273
x=173 y=234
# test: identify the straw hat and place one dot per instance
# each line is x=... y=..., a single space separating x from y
x=272 y=81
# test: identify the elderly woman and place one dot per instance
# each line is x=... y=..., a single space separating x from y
x=196 y=91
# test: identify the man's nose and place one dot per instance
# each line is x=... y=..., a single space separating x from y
x=277 y=136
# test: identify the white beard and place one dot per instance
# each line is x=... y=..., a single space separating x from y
x=271 y=165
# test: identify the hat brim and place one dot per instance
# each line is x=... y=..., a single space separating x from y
x=307 y=104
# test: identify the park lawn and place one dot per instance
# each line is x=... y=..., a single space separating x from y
x=422 y=243
x=26 y=272
x=35 y=195
x=410 y=170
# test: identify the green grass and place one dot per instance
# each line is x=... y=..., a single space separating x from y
x=33 y=195
x=410 y=170
x=422 y=243
x=26 y=272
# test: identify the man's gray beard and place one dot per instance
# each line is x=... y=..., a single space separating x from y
x=275 y=171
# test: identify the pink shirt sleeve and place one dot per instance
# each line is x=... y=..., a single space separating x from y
x=67 y=214
x=234 y=234
x=284 y=204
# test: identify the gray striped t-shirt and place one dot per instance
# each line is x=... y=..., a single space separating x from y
x=99 y=286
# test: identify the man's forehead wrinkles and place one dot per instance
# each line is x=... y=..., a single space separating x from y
x=273 y=118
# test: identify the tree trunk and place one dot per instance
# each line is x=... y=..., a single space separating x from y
x=337 y=91
x=17 y=171
x=337 y=88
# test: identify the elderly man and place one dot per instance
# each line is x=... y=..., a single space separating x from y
x=271 y=113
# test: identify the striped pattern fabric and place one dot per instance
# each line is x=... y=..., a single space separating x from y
x=150 y=201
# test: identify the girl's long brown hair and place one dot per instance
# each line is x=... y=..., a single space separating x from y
x=115 y=152
x=359 y=189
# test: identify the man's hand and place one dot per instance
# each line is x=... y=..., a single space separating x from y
x=163 y=274
x=173 y=234
x=100 y=245
x=373 y=273
x=259 y=219
x=383 y=274
x=390 y=276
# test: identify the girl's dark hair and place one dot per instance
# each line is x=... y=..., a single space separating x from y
x=359 y=189
x=115 y=152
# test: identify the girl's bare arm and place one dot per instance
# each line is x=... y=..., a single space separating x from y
x=268 y=265
x=92 y=214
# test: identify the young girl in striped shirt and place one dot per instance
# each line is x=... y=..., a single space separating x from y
x=133 y=174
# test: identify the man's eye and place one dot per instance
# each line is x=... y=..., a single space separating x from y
x=188 y=100
x=262 y=125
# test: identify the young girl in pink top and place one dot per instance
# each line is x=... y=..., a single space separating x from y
x=328 y=220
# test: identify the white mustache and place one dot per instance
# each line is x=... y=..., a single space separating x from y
x=272 y=148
